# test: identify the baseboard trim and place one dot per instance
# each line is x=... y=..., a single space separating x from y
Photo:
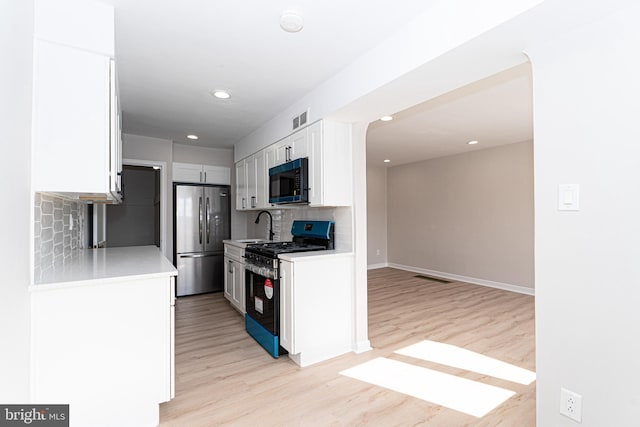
x=362 y=346
x=377 y=266
x=482 y=282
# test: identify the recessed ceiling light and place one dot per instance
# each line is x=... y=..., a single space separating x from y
x=387 y=161
x=221 y=94
x=386 y=118
x=474 y=142
x=291 y=21
x=192 y=136
x=156 y=168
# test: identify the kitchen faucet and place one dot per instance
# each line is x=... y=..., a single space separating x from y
x=270 y=222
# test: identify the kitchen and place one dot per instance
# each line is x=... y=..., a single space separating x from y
x=548 y=231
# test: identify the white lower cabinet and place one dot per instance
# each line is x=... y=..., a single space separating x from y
x=107 y=343
x=316 y=310
x=234 y=276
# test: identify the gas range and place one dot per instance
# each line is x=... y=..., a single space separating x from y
x=262 y=258
x=272 y=249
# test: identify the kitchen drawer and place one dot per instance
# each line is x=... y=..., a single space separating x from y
x=234 y=252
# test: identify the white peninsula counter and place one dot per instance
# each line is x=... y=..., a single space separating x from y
x=103 y=336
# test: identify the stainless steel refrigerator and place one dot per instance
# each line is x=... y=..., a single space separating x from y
x=201 y=223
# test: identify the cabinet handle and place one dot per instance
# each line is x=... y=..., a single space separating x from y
x=253 y=201
x=200 y=176
x=205 y=176
x=243 y=203
x=230 y=269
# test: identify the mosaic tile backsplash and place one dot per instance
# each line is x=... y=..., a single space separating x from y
x=59 y=232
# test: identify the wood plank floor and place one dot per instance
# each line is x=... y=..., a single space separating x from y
x=224 y=378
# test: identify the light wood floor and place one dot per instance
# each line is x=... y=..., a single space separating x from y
x=223 y=377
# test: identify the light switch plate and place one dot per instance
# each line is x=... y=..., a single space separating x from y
x=569 y=197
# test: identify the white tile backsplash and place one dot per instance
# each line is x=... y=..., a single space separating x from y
x=283 y=220
x=58 y=228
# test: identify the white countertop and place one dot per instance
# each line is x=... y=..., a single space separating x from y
x=299 y=256
x=242 y=243
x=106 y=264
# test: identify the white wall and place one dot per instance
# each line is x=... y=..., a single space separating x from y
x=586 y=91
x=16 y=45
x=376 y=216
x=442 y=27
x=469 y=216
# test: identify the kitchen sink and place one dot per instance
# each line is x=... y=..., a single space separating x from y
x=251 y=240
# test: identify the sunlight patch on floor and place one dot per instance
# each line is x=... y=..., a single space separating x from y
x=460 y=394
x=457 y=357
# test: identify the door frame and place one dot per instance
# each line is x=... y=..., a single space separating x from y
x=164 y=199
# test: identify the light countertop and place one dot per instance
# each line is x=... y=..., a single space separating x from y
x=95 y=265
x=299 y=256
x=242 y=243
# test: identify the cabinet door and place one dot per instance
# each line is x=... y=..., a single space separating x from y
x=187 y=172
x=282 y=150
x=238 y=286
x=261 y=180
x=71 y=120
x=252 y=183
x=241 y=185
x=287 y=313
x=300 y=144
x=316 y=163
x=228 y=279
x=216 y=175
x=115 y=137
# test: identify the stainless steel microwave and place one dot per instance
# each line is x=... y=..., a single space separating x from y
x=288 y=182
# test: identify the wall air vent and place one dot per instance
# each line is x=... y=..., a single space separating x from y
x=300 y=120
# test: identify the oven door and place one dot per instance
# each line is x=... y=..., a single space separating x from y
x=262 y=300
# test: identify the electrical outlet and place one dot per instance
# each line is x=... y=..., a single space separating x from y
x=571 y=404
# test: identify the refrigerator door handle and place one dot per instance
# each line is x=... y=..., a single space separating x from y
x=207 y=225
x=200 y=219
x=197 y=255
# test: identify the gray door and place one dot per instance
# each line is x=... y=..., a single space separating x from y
x=216 y=218
x=189 y=219
x=199 y=273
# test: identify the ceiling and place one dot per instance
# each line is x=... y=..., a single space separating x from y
x=171 y=54
x=494 y=111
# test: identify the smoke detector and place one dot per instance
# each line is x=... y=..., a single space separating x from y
x=291 y=21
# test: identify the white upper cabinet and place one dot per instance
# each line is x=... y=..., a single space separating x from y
x=251 y=182
x=330 y=167
x=290 y=148
x=76 y=122
x=216 y=175
x=241 y=185
x=328 y=147
x=205 y=174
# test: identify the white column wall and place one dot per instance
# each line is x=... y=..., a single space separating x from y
x=16 y=216
x=586 y=90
